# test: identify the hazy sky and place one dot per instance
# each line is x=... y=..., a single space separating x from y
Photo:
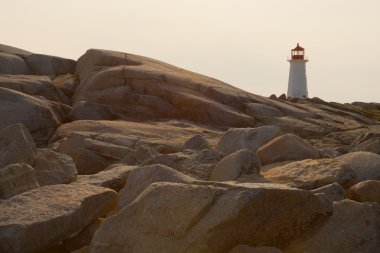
x=242 y=42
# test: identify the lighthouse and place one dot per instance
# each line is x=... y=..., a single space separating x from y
x=297 y=86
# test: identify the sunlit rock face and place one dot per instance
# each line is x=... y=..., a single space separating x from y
x=119 y=153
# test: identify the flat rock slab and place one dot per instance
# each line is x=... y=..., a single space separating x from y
x=40 y=218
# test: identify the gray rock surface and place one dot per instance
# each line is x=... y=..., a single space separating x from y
x=334 y=191
x=366 y=191
x=365 y=164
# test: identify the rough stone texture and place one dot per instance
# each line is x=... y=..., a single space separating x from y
x=12 y=64
x=16 y=145
x=16 y=179
x=248 y=249
x=113 y=177
x=197 y=164
x=49 y=65
x=40 y=116
x=141 y=177
x=83 y=238
x=236 y=164
x=33 y=85
x=365 y=164
x=142 y=88
x=54 y=168
x=85 y=110
x=172 y=217
x=40 y=218
x=369 y=142
x=334 y=191
x=310 y=174
x=66 y=83
x=143 y=153
x=353 y=227
x=257 y=110
x=246 y=138
x=285 y=148
x=197 y=142
x=366 y=191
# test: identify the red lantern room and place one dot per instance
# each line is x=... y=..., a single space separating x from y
x=298 y=53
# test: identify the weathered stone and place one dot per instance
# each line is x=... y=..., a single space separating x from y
x=141 y=177
x=12 y=64
x=16 y=145
x=66 y=83
x=16 y=179
x=49 y=65
x=353 y=227
x=310 y=174
x=40 y=218
x=248 y=249
x=285 y=148
x=91 y=111
x=197 y=142
x=334 y=191
x=236 y=164
x=144 y=153
x=246 y=138
x=54 y=168
x=40 y=116
x=257 y=110
x=365 y=164
x=172 y=217
x=366 y=191
x=369 y=142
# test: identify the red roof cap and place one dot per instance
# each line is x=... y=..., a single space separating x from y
x=298 y=48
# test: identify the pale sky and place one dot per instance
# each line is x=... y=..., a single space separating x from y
x=242 y=42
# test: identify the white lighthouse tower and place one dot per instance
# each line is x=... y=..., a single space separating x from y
x=297 y=86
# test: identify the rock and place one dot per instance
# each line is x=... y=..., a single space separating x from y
x=334 y=191
x=13 y=50
x=83 y=238
x=113 y=177
x=144 y=153
x=263 y=110
x=310 y=174
x=246 y=138
x=196 y=164
x=197 y=142
x=282 y=96
x=12 y=64
x=285 y=148
x=16 y=179
x=40 y=218
x=54 y=168
x=66 y=83
x=353 y=227
x=273 y=96
x=39 y=86
x=137 y=88
x=40 y=116
x=16 y=145
x=366 y=191
x=141 y=177
x=209 y=217
x=234 y=165
x=49 y=65
x=91 y=111
x=369 y=142
x=248 y=249
x=365 y=164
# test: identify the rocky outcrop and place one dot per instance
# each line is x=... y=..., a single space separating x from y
x=173 y=217
x=366 y=191
x=246 y=138
x=40 y=218
x=286 y=147
x=310 y=174
x=16 y=145
x=235 y=165
x=16 y=179
x=54 y=168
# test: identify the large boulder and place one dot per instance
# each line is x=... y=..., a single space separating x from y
x=235 y=165
x=40 y=218
x=16 y=179
x=262 y=110
x=365 y=164
x=12 y=64
x=286 y=147
x=16 y=145
x=66 y=83
x=353 y=227
x=197 y=142
x=246 y=138
x=310 y=174
x=40 y=116
x=49 y=65
x=54 y=168
x=209 y=217
x=142 y=88
x=33 y=85
x=334 y=191
x=366 y=191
